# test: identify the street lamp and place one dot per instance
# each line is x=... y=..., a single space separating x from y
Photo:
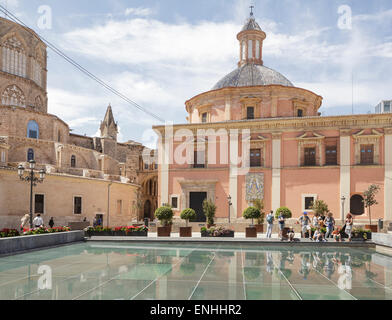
x=32 y=178
x=343 y=199
x=230 y=204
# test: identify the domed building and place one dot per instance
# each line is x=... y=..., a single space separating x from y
x=255 y=135
x=84 y=174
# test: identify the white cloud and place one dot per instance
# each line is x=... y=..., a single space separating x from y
x=138 y=11
x=379 y=17
x=164 y=64
x=10 y=4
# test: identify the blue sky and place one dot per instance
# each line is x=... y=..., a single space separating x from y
x=162 y=53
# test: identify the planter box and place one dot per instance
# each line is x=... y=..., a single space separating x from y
x=100 y=234
x=373 y=227
x=164 y=231
x=259 y=228
x=228 y=235
x=137 y=234
x=185 y=232
x=119 y=233
x=251 y=232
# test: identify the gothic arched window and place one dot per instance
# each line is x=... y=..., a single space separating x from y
x=37 y=67
x=30 y=154
x=13 y=96
x=73 y=161
x=32 y=130
x=14 y=57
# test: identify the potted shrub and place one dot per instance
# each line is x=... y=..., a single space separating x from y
x=286 y=213
x=209 y=209
x=259 y=204
x=187 y=214
x=251 y=213
x=165 y=216
x=369 y=201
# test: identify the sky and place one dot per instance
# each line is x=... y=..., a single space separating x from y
x=162 y=53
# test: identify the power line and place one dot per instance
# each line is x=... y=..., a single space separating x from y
x=81 y=68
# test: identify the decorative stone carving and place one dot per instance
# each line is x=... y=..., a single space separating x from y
x=254 y=186
x=373 y=138
x=13 y=96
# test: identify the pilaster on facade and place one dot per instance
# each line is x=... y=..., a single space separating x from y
x=388 y=175
x=276 y=170
x=345 y=170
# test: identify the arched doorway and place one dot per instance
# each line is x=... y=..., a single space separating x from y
x=147 y=209
x=357 y=206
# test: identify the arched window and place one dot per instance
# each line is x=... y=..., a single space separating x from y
x=243 y=50
x=30 y=154
x=32 y=130
x=37 y=67
x=250 y=49
x=13 y=96
x=59 y=136
x=73 y=161
x=357 y=206
x=257 y=49
x=14 y=57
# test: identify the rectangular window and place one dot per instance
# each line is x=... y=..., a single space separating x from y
x=174 y=202
x=255 y=157
x=199 y=159
x=146 y=166
x=250 y=113
x=33 y=134
x=331 y=156
x=119 y=206
x=2 y=156
x=77 y=205
x=39 y=203
x=309 y=203
x=310 y=157
x=300 y=113
x=156 y=166
x=204 y=117
x=367 y=154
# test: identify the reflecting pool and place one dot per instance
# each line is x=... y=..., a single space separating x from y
x=103 y=271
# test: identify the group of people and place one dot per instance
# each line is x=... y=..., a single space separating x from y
x=38 y=222
x=318 y=223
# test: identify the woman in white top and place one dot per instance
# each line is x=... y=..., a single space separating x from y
x=24 y=221
x=349 y=225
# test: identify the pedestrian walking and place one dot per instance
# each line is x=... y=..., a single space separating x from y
x=51 y=222
x=270 y=223
x=304 y=220
x=24 y=221
x=349 y=225
x=281 y=221
x=38 y=222
x=330 y=224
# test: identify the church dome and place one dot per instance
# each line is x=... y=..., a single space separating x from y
x=252 y=75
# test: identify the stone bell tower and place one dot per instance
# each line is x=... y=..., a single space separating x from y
x=109 y=131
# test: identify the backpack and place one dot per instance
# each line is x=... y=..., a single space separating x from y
x=270 y=219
